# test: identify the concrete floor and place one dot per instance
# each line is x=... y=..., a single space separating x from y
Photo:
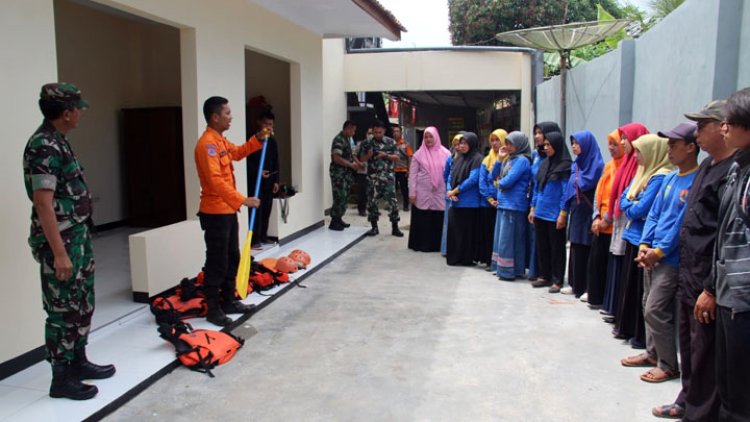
x=385 y=333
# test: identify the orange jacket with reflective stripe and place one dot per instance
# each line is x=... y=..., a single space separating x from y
x=213 y=160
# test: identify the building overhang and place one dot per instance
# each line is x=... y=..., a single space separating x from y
x=339 y=18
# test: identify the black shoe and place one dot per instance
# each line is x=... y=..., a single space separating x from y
x=346 y=225
x=363 y=213
x=395 y=231
x=406 y=207
x=506 y=278
x=374 y=230
x=216 y=316
x=66 y=385
x=541 y=283
x=82 y=369
x=237 y=307
x=336 y=226
x=608 y=319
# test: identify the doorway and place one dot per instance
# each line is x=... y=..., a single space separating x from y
x=129 y=141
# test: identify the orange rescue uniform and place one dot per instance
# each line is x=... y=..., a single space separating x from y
x=213 y=159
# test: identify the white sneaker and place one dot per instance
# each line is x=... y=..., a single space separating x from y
x=585 y=297
x=567 y=290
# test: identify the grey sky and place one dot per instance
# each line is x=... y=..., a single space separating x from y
x=427 y=21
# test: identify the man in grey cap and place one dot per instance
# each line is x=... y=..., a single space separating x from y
x=60 y=241
x=725 y=300
x=698 y=398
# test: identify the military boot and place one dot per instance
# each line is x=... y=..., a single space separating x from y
x=85 y=370
x=66 y=385
x=336 y=225
x=374 y=230
x=346 y=225
x=395 y=231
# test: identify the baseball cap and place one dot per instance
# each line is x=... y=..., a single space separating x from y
x=711 y=111
x=63 y=93
x=684 y=131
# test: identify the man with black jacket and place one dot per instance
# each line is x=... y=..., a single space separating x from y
x=726 y=295
x=698 y=399
x=269 y=183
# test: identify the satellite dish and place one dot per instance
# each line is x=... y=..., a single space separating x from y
x=562 y=39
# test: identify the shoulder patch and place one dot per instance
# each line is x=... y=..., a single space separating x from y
x=211 y=150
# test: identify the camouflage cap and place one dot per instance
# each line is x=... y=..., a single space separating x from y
x=711 y=111
x=64 y=93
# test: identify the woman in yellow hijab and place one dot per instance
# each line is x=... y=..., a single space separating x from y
x=488 y=192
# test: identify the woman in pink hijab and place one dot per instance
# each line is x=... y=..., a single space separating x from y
x=427 y=193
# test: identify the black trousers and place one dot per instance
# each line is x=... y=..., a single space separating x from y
x=578 y=268
x=598 y=268
x=629 y=320
x=361 y=181
x=550 y=250
x=402 y=182
x=732 y=364
x=220 y=232
x=699 y=395
x=260 y=229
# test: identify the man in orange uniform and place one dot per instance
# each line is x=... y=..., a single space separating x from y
x=220 y=202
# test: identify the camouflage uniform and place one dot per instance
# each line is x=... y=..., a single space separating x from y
x=381 y=182
x=341 y=177
x=49 y=163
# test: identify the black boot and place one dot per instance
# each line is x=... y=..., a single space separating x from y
x=66 y=385
x=346 y=225
x=395 y=231
x=85 y=370
x=374 y=230
x=215 y=314
x=336 y=225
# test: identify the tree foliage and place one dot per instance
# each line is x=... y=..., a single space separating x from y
x=662 y=8
x=475 y=22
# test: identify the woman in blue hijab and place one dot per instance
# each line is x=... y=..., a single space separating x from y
x=577 y=207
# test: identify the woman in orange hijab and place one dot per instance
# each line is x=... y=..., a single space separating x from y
x=600 y=259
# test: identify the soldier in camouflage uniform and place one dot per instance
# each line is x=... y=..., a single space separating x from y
x=342 y=168
x=381 y=153
x=60 y=241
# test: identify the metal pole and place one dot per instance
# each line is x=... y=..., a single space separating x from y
x=563 y=77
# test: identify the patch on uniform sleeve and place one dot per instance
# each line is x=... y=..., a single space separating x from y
x=211 y=149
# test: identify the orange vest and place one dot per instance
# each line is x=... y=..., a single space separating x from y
x=213 y=160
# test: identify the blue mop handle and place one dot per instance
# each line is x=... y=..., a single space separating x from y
x=257 y=181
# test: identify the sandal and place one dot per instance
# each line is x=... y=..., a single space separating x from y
x=669 y=411
x=644 y=359
x=659 y=375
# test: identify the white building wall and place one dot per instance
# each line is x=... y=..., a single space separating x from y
x=334 y=105
x=25 y=67
x=442 y=70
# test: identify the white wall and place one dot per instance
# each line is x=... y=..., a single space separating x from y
x=442 y=70
x=334 y=105
x=213 y=42
x=27 y=66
